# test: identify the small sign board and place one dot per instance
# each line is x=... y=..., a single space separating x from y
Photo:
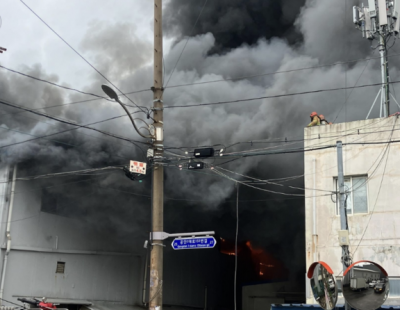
x=137 y=167
x=207 y=242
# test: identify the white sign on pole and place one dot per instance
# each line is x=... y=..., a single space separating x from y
x=137 y=167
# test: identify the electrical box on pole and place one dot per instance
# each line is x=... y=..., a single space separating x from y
x=205 y=152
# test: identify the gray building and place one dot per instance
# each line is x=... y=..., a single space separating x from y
x=45 y=254
x=53 y=247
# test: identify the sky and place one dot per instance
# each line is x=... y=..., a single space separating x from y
x=230 y=40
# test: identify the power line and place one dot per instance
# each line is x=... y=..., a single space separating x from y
x=261 y=189
x=328 y=139
x=274 y=96
x=65 y=122
x=351 y=91
x=303 y=150
x=183 y=49
x=71 y=89
x=55 y=84
x=61 y=174
x=69 y=144
x=56 y=141
x=180 y=85
x=277 y=72
x=280 y=139
x=379 y=190
x=273 y=183
x=83 y=58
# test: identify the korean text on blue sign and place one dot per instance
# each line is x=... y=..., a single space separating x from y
x=194 y=243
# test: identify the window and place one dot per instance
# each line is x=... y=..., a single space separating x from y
x=356 y=191
x=60 y=267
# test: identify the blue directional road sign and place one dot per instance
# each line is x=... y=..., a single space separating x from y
x=207 y=242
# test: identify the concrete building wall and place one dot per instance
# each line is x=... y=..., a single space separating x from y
x=378 y=228
x=262 y=296
x=97 y=267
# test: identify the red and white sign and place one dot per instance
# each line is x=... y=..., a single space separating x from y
x=137 y=167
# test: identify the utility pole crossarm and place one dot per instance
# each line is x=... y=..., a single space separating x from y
x=161 y=235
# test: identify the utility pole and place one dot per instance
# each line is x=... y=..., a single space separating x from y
x=385 y=76
x=344 y=230
x=156 y=256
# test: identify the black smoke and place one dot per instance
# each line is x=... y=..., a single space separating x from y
x=234 y=23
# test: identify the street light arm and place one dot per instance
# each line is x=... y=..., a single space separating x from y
x=133 y=122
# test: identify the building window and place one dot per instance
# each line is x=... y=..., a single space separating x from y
x=60 y=267
x=356 y=193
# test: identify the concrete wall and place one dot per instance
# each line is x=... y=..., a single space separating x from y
x=378 y=229
x=262 y=296
x=97 y=267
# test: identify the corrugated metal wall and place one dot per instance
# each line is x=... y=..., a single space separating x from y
x=97 y=266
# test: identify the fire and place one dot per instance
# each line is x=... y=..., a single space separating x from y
x=260 y=265
x=228 y=248
x=269 y=266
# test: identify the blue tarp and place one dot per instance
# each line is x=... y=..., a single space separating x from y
x=302 y=306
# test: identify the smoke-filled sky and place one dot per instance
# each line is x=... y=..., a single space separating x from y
x=231 y=40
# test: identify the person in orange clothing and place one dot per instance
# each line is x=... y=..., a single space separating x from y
x=315 y=121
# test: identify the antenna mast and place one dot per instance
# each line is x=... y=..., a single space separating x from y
x=380 y=20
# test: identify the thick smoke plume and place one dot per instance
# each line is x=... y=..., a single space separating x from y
x=234 y=23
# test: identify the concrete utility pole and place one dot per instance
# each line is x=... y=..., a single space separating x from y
x=385 y=76
x=156 y=256
x=344 y=230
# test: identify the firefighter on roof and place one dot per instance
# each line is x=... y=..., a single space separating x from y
x=315 y=121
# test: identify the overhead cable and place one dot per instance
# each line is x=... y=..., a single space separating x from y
x=376 y=200
x=275 y=72
x=68 y=88
x=83 y=58
x=271 y=182
x=281 y=139
x=183 y=49
x=55 y=84
x=56 y=141
x=65 y=122
x=68 y=173
x=274 y=96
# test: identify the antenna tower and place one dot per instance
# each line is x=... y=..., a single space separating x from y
x=380 y=20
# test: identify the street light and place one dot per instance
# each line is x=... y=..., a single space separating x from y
x=113 y=95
